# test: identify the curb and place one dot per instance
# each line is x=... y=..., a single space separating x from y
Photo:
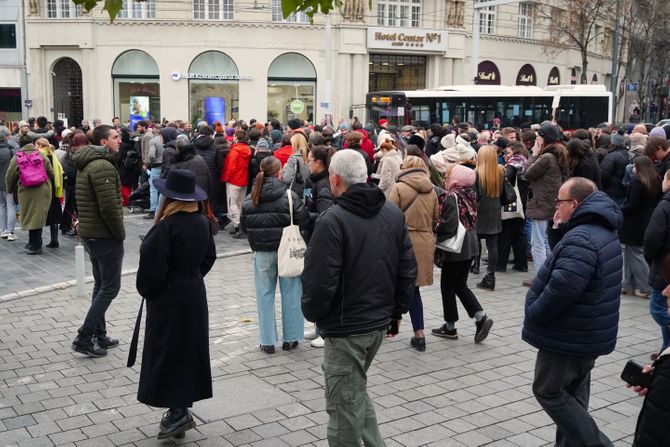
x=89 y=279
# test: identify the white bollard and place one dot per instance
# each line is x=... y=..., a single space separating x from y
x=80 y=271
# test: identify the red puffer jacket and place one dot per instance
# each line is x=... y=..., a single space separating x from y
x=236 y=167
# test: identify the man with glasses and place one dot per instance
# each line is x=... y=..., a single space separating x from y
x=572 y=309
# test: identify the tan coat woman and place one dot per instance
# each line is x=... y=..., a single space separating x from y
x=413 y=193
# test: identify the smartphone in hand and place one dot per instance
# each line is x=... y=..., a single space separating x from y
x=633 y=375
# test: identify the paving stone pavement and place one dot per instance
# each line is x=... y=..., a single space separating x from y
x=25 y=273
x=454 y=394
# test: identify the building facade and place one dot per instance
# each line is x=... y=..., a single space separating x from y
x=13 y=80
x=228 y=59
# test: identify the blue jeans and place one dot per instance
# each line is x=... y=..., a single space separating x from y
x=539 y=243
x=7 y=211
x=658 y=307
x=154 y=173
x=265 y=280
x=106 y=260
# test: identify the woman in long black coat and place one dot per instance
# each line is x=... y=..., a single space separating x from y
x=174 y=257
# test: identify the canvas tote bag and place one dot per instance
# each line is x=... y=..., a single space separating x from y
x=291 y=252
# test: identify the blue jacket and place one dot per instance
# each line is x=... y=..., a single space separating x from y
x=573 y=305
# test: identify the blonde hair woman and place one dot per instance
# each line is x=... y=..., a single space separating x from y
x=489 y=188
x=55 y=214
x=413 y=193
x=295 y=171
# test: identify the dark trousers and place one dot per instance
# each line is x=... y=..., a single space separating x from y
x=453 y=282
x=416 y=311
x=562 y=386
x=513 y=237
x=69 y=210
x=35 y=239
x=106 y=260
x=492 y=249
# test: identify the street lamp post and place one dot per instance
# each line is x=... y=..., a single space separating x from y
x=476 y=7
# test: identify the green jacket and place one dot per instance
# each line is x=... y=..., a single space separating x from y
x=98 y=194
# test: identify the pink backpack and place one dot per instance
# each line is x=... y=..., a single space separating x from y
x=31 y=169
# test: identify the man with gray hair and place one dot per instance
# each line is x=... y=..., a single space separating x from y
x=360 y=249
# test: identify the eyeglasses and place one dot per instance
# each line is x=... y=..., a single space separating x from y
x=558 y=201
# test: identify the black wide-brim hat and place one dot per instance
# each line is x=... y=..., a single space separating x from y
x=180 y=185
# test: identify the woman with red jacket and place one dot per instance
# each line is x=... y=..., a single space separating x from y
x=235 y=176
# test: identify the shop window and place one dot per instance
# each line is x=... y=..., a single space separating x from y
x=67 y=90
x=213 y=9
x=7 y=35
x=291 y=88
x=526 y=20
x=62 y=9
x=134 y=9
x=277 y=16
x=391 y=72
x=136 y=87
x=403 y=13
x=214 y=99
x=10 y=104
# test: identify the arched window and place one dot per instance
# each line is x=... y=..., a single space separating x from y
x=136 y=87
x=214 y=87
x=291 y=88
x=68 y=100
x=554 y=77
x=488 y=73
x=526 y=76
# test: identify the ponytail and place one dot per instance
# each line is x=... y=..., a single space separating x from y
x=269 y=167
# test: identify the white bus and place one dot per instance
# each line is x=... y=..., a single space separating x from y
x=579 y=106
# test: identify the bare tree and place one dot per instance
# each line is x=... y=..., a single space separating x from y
x=574 y=24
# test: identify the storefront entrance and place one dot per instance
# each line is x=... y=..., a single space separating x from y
x=291 y=88
x=396 y=72
x=215 y=97
x=136 y=87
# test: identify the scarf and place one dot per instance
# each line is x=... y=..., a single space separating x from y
x=467 y=205
x=172 y=206
x=58 y=171
x=517 y=161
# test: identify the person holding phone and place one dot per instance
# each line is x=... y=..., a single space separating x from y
x=650 y=430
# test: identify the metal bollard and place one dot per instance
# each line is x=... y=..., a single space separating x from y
x=80 y=271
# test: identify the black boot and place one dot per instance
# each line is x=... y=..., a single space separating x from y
x=488 y=282
x=54 y=237
x=475 y=265
x=88 y=346
x=175 y=422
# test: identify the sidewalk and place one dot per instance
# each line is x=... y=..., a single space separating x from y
x=455 y=394
x=26 y=274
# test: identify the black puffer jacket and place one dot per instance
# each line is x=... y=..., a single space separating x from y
x=264 y=223
x=657 y=242
x=318 y=198
x=360 y=269
x=612 y=171
x=213 y=156
x=586 y=162
x=637 y=210
x=186 y=158
x=652 y=428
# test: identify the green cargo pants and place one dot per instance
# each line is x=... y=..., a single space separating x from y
x=345 y=365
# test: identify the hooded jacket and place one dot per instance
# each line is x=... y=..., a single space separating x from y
x=206 y=147
x=186 y=158
x=236 y=166
x=657 y=242
x=613 y=169
x=572 y=307
x=360 y=269
x=265 y=223
x=98 y=194
x=414 y=194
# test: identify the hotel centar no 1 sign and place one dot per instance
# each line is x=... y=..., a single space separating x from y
x=415 y=40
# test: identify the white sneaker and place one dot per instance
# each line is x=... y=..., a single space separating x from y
x=311 y=334
x=4 y=234
x=317 y=343
x=11 y=237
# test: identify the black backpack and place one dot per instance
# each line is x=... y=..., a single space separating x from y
x=133 y=160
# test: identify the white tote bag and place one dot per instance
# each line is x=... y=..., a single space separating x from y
x=514 y=210
x=455 y=243
x=291 y=252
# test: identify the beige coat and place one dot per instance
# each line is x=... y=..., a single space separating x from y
x=389 y=167
x=420 y=217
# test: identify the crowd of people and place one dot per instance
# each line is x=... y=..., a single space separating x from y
x=378 y=207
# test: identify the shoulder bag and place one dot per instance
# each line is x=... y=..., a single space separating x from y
x=291 y=252
x=454 y=244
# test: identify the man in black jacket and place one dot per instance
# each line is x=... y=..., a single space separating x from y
x=359 y=276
